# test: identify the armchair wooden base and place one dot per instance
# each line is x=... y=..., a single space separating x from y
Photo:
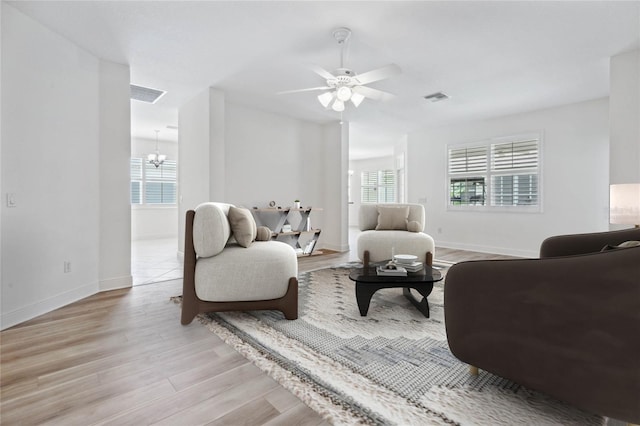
x=287 y=304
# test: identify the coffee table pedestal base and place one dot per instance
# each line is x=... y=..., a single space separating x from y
x=365 y=291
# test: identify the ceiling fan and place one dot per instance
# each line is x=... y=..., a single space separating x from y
x=344 y=84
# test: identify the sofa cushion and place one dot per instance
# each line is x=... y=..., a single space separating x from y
x=392 y=218
x=243 y=225
x=211 y=229
x=263 y=233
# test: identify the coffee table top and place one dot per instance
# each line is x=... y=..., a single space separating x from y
x=369 y=275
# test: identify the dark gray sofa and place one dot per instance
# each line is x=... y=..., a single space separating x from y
x=566 y=324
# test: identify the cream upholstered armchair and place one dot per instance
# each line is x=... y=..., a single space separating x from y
x=393 y=229
x=226 y=269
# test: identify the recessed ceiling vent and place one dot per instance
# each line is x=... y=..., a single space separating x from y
x=145 y=94
x=436 y=97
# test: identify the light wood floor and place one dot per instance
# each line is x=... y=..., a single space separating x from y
x=122 y=357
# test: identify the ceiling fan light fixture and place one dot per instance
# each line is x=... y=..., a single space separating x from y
x=344 y=93
x=338 y=106
x=325 y=99
x=356 y=99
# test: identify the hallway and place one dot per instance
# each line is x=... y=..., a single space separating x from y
x=154 y=261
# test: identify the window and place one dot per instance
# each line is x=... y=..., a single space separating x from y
x=378 y=187
x=136 y=180
x=151 y=185
x=496 y=174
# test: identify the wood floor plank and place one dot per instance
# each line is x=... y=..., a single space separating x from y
x=222 y=404
x=107 y=408
x=282 y=399
x=207 y=390
x=205 y=369
x=300 y=415
x=255 y=412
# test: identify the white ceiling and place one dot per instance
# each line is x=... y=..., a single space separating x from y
x=493 y=58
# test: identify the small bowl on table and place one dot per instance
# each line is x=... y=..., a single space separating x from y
x=404 y=259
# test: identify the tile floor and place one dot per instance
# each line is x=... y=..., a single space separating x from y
x=155 y=260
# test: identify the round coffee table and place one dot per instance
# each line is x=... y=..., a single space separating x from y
x=368 y=282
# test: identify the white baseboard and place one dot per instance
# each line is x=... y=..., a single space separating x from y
x=507 y=251
x=20 y=315
x=116 y=283
x=155 y=237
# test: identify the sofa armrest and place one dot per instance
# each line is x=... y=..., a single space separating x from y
x=567 y=326
x=567 y=245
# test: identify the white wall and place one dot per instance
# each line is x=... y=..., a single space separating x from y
x=2 y=193
x=114 y=152
x=151 y=222
x=54 y=120
x=624 y=118
x=575 y=160
x=193 y=150
x=334 y=177
x=266 y=157
x=272 y=157
x=359 y=166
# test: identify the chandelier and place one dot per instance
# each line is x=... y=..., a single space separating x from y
x=156 y=159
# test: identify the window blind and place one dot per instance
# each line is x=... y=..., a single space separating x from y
x=378 y=186
x=507 y=171
x=387 y=186
x=511 y=185
x=151 y=184
x=514 y=155
x=136 y=181
x=468 y=160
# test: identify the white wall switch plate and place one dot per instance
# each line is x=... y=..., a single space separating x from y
x=11 y=199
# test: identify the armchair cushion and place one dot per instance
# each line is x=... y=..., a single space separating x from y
x=368 y=215
x=211 y=229
x=258 y=272
x=380 y=244
x=414 y=226
x=392 y=217
x=243 y=226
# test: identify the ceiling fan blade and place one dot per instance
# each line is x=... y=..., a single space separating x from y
x=311 y=89
x=379 y=74
x=375 y=94
x=322 y=72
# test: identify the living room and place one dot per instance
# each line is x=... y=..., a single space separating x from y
x=69 y=109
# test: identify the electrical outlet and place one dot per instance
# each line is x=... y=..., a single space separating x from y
x=11 y=199
x=67 y=267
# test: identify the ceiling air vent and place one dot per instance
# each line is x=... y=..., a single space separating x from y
x=436 y=97
x=145 y=94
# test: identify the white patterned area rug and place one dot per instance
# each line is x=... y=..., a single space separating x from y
x=391 y=367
